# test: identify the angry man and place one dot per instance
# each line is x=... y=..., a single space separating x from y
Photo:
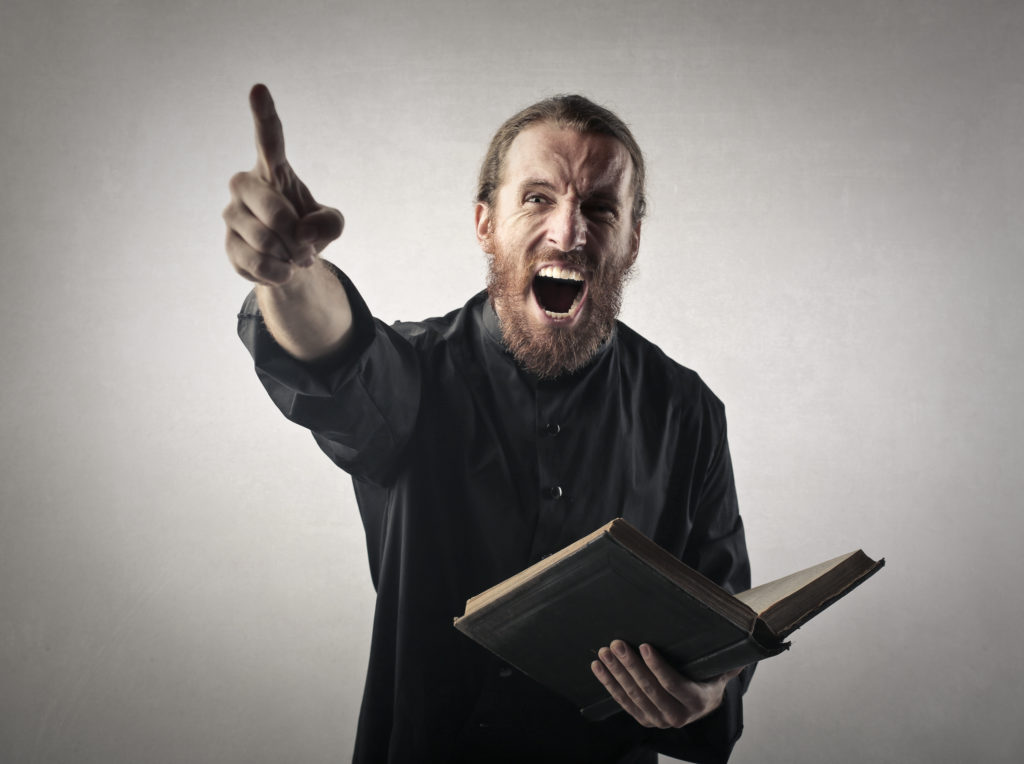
x=481 y=441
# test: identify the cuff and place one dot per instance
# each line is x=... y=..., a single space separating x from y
x=317 y=378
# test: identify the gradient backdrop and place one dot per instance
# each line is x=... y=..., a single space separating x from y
x=834 y=244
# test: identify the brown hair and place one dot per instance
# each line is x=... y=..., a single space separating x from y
x=568 y=111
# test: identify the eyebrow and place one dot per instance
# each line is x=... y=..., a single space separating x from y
x=599 y=194
x=608 y=197
x=536 y=183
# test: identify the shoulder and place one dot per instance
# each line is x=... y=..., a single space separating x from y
x=440 y=330
x=662 y=376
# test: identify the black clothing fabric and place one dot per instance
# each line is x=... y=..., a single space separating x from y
x=466 y=470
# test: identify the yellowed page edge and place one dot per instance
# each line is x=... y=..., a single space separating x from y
x=762 y=597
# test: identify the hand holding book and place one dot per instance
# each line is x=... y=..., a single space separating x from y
x=651 y=691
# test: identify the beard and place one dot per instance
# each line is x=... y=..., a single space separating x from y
x=551 y=351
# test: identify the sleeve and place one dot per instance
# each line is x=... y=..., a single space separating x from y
x=360 y=404
x=717 y=547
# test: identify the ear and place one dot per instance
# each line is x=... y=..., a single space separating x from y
x=482 y=218
x=634 y=243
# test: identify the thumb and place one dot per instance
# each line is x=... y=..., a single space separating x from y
x=320 y=228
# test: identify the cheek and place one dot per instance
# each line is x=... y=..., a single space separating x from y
x=521 y=243
x=511 y=264
x=524 y=228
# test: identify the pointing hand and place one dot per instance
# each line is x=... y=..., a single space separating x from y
x=274 y=223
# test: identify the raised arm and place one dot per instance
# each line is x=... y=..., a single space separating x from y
x=276 y=232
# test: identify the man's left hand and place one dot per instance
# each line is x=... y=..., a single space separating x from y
x=653 y=692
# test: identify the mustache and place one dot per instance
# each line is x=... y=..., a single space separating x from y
x=577 y=258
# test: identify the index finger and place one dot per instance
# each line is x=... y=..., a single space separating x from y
x=269 y=133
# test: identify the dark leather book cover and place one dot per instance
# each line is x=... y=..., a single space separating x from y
x=550 y=620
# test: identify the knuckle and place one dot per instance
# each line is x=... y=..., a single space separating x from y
x=339 y=223
x=281 y=219
x=238 y=180
x=636 y=695
x=269 y=270
x=648 y=720
x=239 y=268
x=676 y=719
x=234 y=246
x=648 y=687
x=265 y=240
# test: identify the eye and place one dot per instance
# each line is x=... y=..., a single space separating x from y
x=535 y=199
x=601 y=211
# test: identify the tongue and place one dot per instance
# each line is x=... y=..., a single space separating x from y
x=554 y=294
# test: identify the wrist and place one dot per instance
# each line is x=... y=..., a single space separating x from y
x=309 y=315
x=299 y=286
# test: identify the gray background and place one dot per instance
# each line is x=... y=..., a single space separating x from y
x=834 y=243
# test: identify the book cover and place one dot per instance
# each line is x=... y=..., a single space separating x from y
x=550 y=619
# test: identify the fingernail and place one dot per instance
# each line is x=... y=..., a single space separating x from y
x=619 y=648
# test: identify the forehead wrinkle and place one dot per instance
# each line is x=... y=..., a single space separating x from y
x=559 y=157
x=594 y=168
x=605 y=180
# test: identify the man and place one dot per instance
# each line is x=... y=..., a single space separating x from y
x=484 y=440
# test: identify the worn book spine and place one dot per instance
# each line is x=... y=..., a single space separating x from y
x=740 y=653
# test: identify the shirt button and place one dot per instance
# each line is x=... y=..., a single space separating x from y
x=552 y=430
x=553 y=492
x=505 y=672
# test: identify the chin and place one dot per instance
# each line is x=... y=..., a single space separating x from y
x=546 y=347
x=556 y=314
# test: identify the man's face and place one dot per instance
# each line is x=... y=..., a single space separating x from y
x=561 y=241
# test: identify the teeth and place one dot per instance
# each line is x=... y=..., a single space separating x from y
x=555 y=272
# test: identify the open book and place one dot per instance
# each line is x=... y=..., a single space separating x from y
x=550 y=620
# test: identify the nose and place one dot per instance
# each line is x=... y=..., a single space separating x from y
x=567 y=227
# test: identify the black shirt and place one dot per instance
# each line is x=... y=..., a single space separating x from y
x=466 y=470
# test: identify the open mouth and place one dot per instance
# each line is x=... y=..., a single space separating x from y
x=558 y=291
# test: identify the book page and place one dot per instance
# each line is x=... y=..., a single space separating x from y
x=762 y=597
